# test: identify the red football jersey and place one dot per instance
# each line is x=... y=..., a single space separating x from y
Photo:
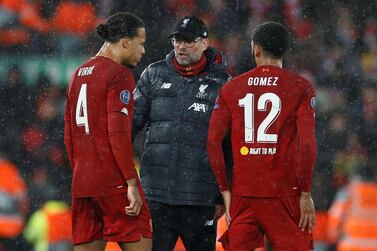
x=271 y=115
x=98 y=128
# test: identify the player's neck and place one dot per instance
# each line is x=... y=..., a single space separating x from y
x=109 y=52
x=270 y=61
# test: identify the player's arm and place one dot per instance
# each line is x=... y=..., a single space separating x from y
x=306 y=157
x=307 y=142
x=218 y=127
x=119 y=127
x=119 y=114
x=119 y=122
x=142 y=103
x=68 y=132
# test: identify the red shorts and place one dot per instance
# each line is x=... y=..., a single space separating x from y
x=104 y=218
x=275 y=218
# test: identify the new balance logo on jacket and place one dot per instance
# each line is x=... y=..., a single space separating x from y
x=165 y=85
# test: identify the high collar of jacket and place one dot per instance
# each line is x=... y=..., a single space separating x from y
x=193 y=69
x=215 y=61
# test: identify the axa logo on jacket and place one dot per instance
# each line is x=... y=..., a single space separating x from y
x=198 y=107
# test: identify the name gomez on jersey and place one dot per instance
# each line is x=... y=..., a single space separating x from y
x=270 y=112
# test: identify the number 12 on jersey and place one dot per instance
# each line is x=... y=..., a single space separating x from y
x=82 y=109
x=248 y=103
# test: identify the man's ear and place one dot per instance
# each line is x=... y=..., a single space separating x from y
x=205 y=43
x=125 y=41
x=257 y=50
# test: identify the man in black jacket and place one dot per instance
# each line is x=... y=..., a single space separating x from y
x=174 y=99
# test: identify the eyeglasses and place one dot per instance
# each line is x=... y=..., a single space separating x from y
x=189 y=44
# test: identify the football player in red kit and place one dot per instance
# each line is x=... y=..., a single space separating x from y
x=270 y=111
x=108 y=203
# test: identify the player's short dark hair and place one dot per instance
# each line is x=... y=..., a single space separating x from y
x=119 y=25
x=272 y=37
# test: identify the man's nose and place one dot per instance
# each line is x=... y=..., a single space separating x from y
x=182 y=45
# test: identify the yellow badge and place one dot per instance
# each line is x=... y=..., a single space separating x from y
x=244 y=150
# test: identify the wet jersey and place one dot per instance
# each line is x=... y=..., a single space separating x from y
x=271 y=115
x=98 y=128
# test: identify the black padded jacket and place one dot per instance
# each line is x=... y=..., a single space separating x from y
x=175 y=112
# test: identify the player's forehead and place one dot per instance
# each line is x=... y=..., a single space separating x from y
x=141 y=34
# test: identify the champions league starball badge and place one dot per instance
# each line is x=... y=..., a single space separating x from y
x=125 y=96
x=313 y=103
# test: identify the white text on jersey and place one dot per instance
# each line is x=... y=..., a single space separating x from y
x=262 y=150
x=85 y=71
x=263 y=81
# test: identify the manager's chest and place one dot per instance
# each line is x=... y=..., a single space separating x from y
x=191 y=98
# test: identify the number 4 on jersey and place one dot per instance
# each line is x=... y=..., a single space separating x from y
x=81 y=109
x=248 y=103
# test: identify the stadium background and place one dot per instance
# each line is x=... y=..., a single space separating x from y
x=42 y=41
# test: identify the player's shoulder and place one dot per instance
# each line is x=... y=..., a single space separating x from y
x=85 y=65
x=237 y=79
x=100 y=65
x=298 y=79
x=118 y=69
x=116 y=72
x=241 y=77
x=234 y=82
x=85 y=70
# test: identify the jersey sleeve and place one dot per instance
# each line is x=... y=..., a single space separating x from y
x=68 y=130
x=119 y=118
x=305 y=123
x=218 y=127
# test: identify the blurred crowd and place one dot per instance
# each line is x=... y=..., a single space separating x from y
x=334 y=46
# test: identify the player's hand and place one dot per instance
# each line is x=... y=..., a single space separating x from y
x=227 y=198
x=134 y=199
x=307 y=218
x=219 y=211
